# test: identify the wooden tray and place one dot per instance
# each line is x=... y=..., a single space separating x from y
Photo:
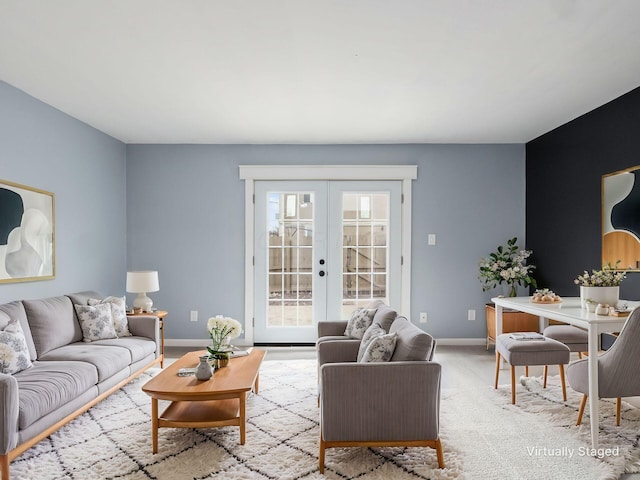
x=552 y=302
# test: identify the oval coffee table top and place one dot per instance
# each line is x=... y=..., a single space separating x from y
x=238 y=376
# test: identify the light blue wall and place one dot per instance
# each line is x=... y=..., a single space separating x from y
x=85 y=169
x=186 y=219
x=180 y=209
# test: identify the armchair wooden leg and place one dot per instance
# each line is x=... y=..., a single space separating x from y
x=545 y=371
x=583 y=403
x=526 y=370
x=439 y=454
x=4 y=466
x=564 y=385
x=513 y=385
x=321 y=455
x=618 y=405
x=580 y=355
x=497 y=368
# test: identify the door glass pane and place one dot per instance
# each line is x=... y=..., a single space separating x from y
x=365 y=239
x=290 y=259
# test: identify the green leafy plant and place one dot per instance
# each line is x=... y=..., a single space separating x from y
x=507 y=265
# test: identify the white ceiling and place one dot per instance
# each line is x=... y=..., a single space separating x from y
x=322 y=71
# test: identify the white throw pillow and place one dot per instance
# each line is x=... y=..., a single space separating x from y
x=118 y=313
x=380 y=349
x=374 y=331
x=96 y=322
x=360 y=320
x=14 y=353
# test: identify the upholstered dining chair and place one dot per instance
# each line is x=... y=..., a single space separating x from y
x=618 y=368
x=575 y=338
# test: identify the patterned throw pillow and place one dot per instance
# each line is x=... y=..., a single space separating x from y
x=14 y=353
x=96 y=322
x=375 y=330
x=380 y=349
x=359 y=322
x=118 y=313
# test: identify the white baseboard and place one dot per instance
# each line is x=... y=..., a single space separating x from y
x=198 y=342
x=461 y=341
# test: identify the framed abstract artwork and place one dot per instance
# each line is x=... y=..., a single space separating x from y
x=621 y=219
x=27 y=233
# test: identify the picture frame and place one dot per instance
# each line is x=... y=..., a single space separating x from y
x=27 y=233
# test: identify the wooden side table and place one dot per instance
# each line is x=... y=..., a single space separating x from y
x=160 y=314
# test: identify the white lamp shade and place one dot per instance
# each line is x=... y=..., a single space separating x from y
x=142 y=282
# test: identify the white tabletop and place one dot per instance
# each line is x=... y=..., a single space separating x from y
x=568 y=311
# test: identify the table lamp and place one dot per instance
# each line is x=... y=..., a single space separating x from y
x=141 y=283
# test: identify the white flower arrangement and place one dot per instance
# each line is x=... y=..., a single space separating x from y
x=221 y=329
x=609 y=276
x=507 y=265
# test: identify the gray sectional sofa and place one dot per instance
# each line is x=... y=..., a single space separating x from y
x=68 y=375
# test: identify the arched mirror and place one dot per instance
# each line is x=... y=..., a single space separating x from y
x=621 y=218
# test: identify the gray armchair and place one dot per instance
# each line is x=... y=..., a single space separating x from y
x=618 y=372
x=394 y=403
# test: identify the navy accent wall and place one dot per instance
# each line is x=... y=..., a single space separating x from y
x=564 y=170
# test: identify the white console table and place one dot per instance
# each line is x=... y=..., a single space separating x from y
x=569 y=311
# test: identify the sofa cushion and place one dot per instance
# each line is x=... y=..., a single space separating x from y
x=96 y=322
x=384 y=317
x=53 y=323
x=49 y=385
x=107 y=359
x=412 y=343
x=380 y=349
x=14 y=353
x=360 y=320
x=374 y=331
x=139 y=347
x=16 y=310
x=118 y=313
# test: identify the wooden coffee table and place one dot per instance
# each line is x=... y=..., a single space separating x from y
x=217 y=402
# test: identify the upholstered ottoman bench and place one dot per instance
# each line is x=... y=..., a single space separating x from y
x=529 y=352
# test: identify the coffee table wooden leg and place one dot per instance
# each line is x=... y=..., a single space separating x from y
x=243 y=417
x=256 y=384
x=154 y=424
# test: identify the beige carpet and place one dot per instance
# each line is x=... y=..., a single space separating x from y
x=112 y=440
x=483 y=436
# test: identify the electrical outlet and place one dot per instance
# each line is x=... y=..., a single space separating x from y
x=431 y=239
x=194 y=315
x=423 y=317
x=471 y=314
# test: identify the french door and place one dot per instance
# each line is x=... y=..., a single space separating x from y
x=322 y=249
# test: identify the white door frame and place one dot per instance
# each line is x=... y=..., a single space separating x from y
x=252 y=173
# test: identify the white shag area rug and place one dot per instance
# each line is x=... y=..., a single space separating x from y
x=483 y=437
